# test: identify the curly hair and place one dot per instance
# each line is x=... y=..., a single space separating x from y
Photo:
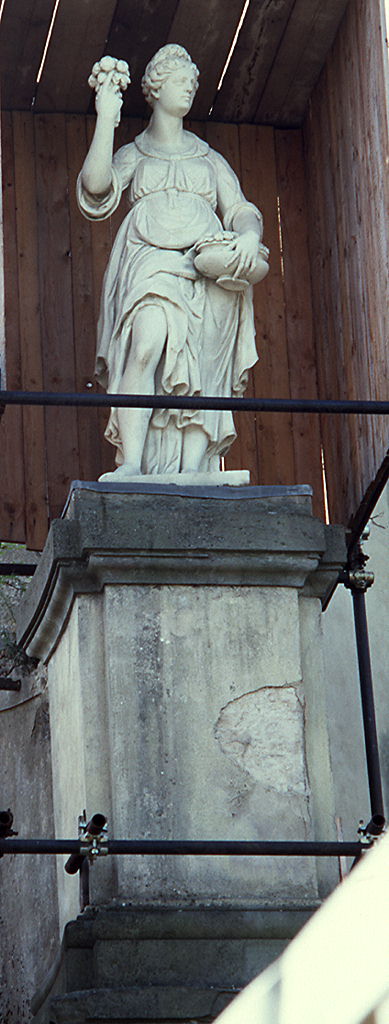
x=166 y=60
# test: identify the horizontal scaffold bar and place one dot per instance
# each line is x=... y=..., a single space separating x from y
x=172 y=847
x=297 y=405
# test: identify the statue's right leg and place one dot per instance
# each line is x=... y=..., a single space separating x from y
x=149 y=332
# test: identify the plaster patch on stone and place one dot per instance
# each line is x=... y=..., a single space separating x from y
x=263 y=733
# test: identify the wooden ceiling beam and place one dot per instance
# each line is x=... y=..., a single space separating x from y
x=78 y=40
x=23 y=32
x=280 y=51
x=265 y=23
x=299 y=59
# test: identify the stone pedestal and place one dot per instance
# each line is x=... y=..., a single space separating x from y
x=181 y=629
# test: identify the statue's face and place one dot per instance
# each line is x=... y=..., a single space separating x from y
x=177 y=92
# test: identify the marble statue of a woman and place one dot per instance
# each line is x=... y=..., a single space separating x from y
x=164 y=327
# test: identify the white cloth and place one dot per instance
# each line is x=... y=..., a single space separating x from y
x=210 y=332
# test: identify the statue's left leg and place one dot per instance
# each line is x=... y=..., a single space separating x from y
x=148 y=340
x=194 y=446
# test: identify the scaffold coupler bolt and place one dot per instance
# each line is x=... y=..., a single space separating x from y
x=6 y=822
x=358 y=579
x=374 y=830
x=93 y=836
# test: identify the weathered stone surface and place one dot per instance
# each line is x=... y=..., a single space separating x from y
x=140 y=698
x=171 y=961
x=80 y=744
x=316 y=737
x=263 y=733
x=29 y=927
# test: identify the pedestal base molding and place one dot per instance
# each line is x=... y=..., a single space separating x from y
x=135 y=964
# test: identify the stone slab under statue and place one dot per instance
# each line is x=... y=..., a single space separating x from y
x=176 y=312
x=218 y=478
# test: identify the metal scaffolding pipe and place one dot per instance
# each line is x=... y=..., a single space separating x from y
x=296 y=405
x=367 y=698
x=172 y=847
x=6 y=683
x=17 y=568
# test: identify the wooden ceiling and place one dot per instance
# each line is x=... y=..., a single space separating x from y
x=280 y=50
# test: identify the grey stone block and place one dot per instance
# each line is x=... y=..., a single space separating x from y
x=160 y=965
x=157 y=1005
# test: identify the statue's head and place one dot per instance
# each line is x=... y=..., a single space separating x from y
x=169 y=60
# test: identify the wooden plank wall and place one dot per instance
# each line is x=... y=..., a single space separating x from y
x=346 y=147
x=55 y=263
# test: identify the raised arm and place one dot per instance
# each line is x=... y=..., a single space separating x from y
x=96 y=174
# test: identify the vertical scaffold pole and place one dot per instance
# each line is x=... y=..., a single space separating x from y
x=358 y=581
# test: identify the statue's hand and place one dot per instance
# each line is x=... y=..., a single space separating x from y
x=244 y=249
x=109 y=99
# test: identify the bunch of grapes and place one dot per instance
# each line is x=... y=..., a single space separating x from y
x=118 y=69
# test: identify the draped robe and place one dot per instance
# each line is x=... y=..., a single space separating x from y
x=210 y=344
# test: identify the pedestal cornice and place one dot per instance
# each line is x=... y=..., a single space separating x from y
x=167 y=536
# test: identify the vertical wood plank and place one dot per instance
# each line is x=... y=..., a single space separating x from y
x=101 y=238
x=326 y=296
x=2 y=293
x=298 y=309
x=30 y=334
x=12 y=497
x=243 y=455
x=271 y=374
x=341 y=472
x=354 y=231
x=369 y=41
x=347 y=152
x=89 y=441
x=56 y=303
